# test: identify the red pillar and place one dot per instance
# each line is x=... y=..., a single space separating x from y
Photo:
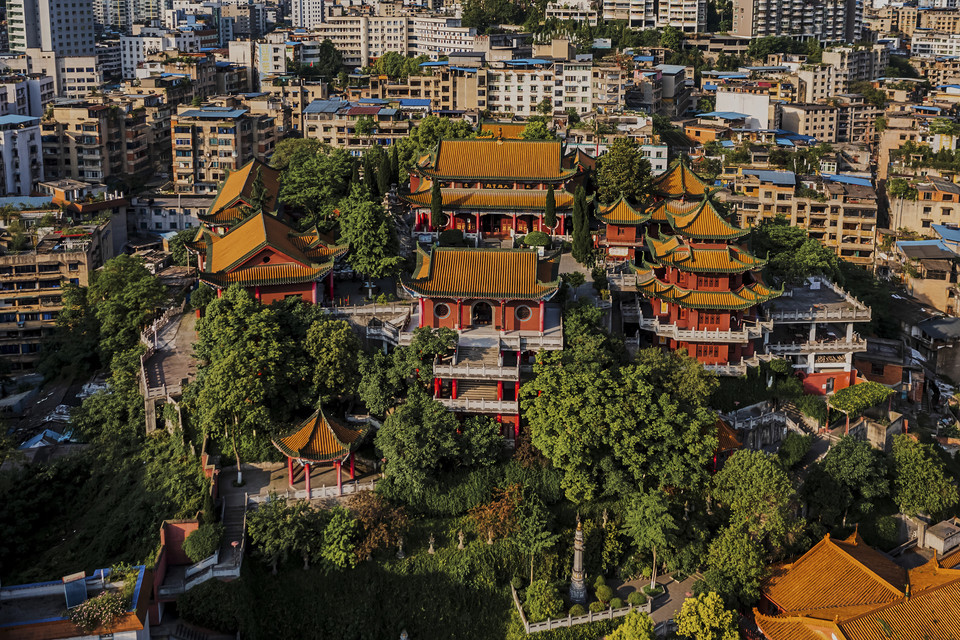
x=516 y=425
x=562 y=220
x=256 y=292
x=307 y=472
x=315 y=299
x=452 y=222
x=339 y=481
x=352 y=472
x=219 y=293
x=503 y=315
x=290 y=470
x=422 y=308
x=330 y=284
x=478 y=222
x=198 y=314
x=499 y=389
x=436 y=387
x=540 y=223
x=514 y=222
x=453 y=389
x=459 y=313
x=541 y=315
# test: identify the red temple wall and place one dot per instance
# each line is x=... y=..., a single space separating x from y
x=817 y=383
x=172 y=535
x=304 y=290
x=621 y=233
x=512 y=322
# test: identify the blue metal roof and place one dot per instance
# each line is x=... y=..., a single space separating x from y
x=779 y=178
x=727 y=144
x=950 y=234
x=325 y=106
x=387 y=112
x=842 y=179
x=920 y=107
x=644 y=58
x=373 y=101
x=785 y=142
x=465 y=69
x=707 y=86
x=15 y=119
x=938 y=243
x=724 y=115
x=671 y=68
x=26 y=202
x=414 y=102
x=442 y=63
x=217 y=113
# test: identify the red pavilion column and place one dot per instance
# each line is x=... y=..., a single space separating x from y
x=499 y=389
x=422 y=307
x=541 y=315
x=514 y=222
x=330 y=285
x=478 y=222
x=562 y=220
x=540 y=222
x=459 y=314
x=503 y=315
x=314 y=293
x=516 y=425
x=219 y=292
x=352 y=472
x=453 y=389
x=256 y=292
x=290 y=470
x=339 y=481
x=307 y=468
x=436 y=387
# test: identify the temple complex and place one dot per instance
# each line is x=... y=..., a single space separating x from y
x=253 y=187
x=320 y=440
x=498 y=300
x=268 y=258
x=847 y=590
x=698 y=289
x=494 y=187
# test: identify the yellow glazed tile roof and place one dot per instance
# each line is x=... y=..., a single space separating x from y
x=494 y=199
x=726 y=437
x=680 y=180
x=836 y=574
x=704 y=223
x=622 y=212
x=238 y=185
x=506 y=130
x=742 y=298
x=501 y=274
x=486 y=159
x=673 y=252
x=660 y=210
x=320 y=439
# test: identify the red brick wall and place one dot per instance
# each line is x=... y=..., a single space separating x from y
x=813 y=383
x=892 y=373
x=172 y=535
x=279 y=292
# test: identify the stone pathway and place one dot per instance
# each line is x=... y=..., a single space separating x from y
x=665 y=607
x=173 y=360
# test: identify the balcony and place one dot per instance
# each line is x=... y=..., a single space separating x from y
x=475 y=363
x=818 y=347
x=752 y=329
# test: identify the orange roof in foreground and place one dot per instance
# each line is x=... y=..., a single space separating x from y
x=239 y=184
x=483 y=158
x=861 y=594
x=500 y=274
x=319 y=438
x=726 y=437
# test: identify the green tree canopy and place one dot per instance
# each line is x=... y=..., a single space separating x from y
x=537 y=130
x=582 y=240
x=857 y=478
x=314 y=178
x=735 y=567
x=652 y=526
x=793 y=255
x=921 y=484
x=550 y=209
x=636 y=626
x=704 y=617
x=371 y=234
x=623 y=171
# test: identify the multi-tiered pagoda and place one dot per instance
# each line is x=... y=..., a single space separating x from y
x=701 y=290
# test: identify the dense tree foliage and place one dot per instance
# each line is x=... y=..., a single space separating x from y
x=371 y=234
x=920 y=481
x=704 y=617
x=623 y=171
x=315 y=178
x=793 y=255
x=849 y=480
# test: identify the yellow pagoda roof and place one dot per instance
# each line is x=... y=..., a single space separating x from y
x=704 y=223
x=320 y=439
x=726 y=437
x=621 y=212
x=845 y=589
x=487 y=159
x=236 y=190
x=493 y=199
x=674 y=252
x=680 y=180
x=500 y=274
x=742 y=298
x=659 y=211
x=309 y=256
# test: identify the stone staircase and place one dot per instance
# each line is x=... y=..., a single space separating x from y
x=233 y=530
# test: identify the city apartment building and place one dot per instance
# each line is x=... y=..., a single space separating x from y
x=825 y=20
x=135 y=49
x=363 y=38
x=854 y=64
x=63 y=28
x=25 y=95
x=937 y=203
x=31 y=282
x=575 y=10
x=95 y=142
x=307 y=14
x=211 y=141
x=935 y=44
x=839 y=211
x=21 y=162
x=354 y=127
x=817 y=120
x=690 y=16
x=938 y=70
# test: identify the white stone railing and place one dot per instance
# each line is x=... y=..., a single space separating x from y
x=819 y=315
x=571 y=621
x=817 y=346
x=480 y=405
x=372 y=309
x=194 y=569
x=466 y=370
x=347 y=488
x=737 y=369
